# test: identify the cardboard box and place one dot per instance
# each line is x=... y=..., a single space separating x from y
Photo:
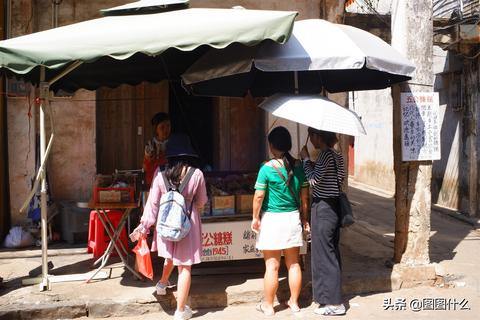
x=244 y=203
x=103 y=192
x=223 y=205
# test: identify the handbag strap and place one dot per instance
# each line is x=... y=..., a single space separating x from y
x=288 y=186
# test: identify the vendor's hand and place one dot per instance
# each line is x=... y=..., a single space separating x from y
x=255 y=226
x=304 y=154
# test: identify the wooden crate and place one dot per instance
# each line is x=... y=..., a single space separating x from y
x=244 y=203
x=223 y=205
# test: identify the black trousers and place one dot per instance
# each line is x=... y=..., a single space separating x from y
x=326 y=261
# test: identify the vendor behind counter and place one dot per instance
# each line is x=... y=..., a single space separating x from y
x=154 y=156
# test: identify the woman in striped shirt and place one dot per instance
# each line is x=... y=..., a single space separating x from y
x=325 y=177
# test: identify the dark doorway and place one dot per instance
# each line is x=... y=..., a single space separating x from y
x=124 y=123
x=194 y=116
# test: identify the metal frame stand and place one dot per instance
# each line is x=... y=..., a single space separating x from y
x=114 y=235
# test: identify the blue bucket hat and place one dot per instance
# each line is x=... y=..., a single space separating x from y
x=179 y=145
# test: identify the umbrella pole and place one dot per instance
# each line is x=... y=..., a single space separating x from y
x=295 y=80
x=44 y=89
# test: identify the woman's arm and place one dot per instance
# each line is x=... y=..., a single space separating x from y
x=257 y=206
x=314 y=171
x=304 y=208
x=150 y=212
x=200 y=197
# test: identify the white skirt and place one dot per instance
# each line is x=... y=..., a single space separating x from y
x=280 y=230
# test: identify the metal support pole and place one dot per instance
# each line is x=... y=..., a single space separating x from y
x=295 y=79
x=69 y=69
x=44 y=89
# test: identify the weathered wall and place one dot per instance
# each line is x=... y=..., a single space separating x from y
x=21 y=152
x=374 y=152
x=4 y=198
x=471 y=80
x=447 y=181
x=307 y=9
x=72 y=161
x=21 y=126
x=72 y=165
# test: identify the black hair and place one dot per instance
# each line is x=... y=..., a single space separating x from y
x=281 y=140
x=328 y=137
x=174 y=168
x=159 y=118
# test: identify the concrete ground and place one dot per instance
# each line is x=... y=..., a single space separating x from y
x=361 y=307
x=231 y=289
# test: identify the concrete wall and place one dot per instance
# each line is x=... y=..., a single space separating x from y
x=447 y=180
x=21 y=152
x=378 y=6
x=72 y=167
x=307 y=9
x=21 y=121
x=374 y=152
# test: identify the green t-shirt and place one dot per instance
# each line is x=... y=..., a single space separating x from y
x=277 y=196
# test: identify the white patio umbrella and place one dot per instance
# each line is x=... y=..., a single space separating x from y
x=314 y=111
x=324 y=55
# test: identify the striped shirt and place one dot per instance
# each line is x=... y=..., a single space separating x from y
x=322 y=175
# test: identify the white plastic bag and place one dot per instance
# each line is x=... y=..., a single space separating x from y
x=17 y=238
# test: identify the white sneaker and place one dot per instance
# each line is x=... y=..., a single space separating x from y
x=331 y=310
x=183 y=315
x=162 y=288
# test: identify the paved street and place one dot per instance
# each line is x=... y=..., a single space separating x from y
x=232 y=295
x=361 y=307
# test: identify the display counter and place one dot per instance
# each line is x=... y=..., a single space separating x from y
x=226 y=220
x=231 y=238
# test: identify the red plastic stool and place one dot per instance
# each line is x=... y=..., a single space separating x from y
x=98 y=238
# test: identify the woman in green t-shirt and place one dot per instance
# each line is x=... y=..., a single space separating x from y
x=281 y=195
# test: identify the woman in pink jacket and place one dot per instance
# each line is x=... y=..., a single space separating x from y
x=186 y=252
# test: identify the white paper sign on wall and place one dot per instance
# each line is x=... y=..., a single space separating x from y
x=420 y=126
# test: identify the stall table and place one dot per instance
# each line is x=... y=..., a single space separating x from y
x=113 y=233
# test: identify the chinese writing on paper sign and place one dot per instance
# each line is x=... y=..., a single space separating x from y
x=216 y=239
x=420 y=126
x=249 y=235
x=215 y=245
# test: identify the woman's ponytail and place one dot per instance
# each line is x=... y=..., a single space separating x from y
x=281 y=140
x=289 y=163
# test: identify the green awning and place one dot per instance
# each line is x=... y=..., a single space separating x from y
x=135 y=48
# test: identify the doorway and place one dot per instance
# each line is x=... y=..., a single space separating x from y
x=193 y=115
